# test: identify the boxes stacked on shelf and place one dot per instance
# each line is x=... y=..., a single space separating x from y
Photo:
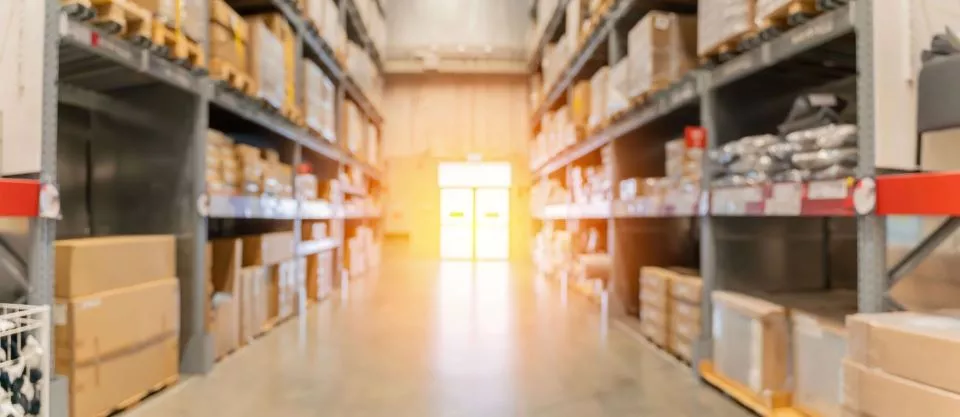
x=222 y=167
x=686 y=289
x=251 y=169
x=189 y=16
x=819 y=346
x=684 y=159
x=332 y=30
x=225 y=265
x=901 y=364
x=661 y=49
x=656 y=304
x=277 y=176
x=267 y=60
x=359 y=250
x=721 y=24
x=117 y=319
x=319 y=98
x=751 y=339
x=580 y=107
x=362 y=69
x=618 y=89
x=599 y=89
x=306 y=185
x=281 y=29
x=354 y=127
x=260 y=253
x=592 y=184
x=319 y=275
x=229 y=38
x=576 y=13
x=283 y=290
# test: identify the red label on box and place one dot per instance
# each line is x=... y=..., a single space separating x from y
x=695 y=137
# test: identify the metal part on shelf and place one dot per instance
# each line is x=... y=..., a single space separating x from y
x=549 y=33
x=820 y=30
x=93 y=60
x=682 y=93
x=252 y=207
x=316 y=246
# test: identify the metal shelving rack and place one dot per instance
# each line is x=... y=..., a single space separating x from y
x=123 y=87
x=844 y=35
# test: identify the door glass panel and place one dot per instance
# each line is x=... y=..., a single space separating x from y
x=456 y=223
x=493 y=223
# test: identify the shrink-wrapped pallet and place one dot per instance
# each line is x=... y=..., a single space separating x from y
x=267 y=62
x=229 y=35
x=750 y=342
x=819 y=346
x=722 y=21
x=661 y=48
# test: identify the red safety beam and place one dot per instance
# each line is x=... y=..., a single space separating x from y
x=928 y=193
x=19 y=198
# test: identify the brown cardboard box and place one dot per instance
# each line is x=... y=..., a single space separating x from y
x=893 y=341
x=819 y=346
x=319 y=275
x=98 y=387
x=661 y=48
x=266 y=62
x=580 y=109
x=91 y=265
x=750 y=341
x=681 y=347
x=319 y=94
x=687 y=287
x=870 y=391
x=938 y=150
x=254 y=303
x=226 y=264
x=685 y=321
x=657 y=333
x=267 y=249
x=88 y=328
x=229 y=36
x=655 y=285
x=282 y=290
x=226 y=324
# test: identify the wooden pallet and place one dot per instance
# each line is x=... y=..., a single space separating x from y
x=725 y=50
x=774 y=405
x=78 y=9
x=791 y=13
x=139 y=397
x=232 y=76
x=178 y=47
x=294 y=114
x=121 y=17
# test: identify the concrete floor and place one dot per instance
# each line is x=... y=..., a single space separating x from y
x=446 y=339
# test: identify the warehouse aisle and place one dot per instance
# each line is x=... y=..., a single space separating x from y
x=446 y=339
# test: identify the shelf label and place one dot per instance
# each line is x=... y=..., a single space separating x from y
x=829 y=190
x=786 y=199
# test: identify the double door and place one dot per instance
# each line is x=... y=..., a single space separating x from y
x=475 y=223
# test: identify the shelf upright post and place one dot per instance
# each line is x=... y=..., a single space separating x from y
x=871 y=229
x=708 y=248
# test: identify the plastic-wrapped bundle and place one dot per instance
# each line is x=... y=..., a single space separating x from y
x=792 y=175
x=757 y=144
x=846 y=157
x=834 y=172
x=733 y=180
x=837 y=136
x=785 y=150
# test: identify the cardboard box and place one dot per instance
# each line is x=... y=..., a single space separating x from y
x=229 y=36
x=655 y=285
x=282 y=290
x=618 y=88
x=685 y=320
x=267 y=61
x=319 y=269
x=819 y=346
x=661 y=48
x=225 y=264
x=88 y=328
x=192 y=16
x=657 y=333
x=938 y=150
x=267 y=249
x=720 y=21
x=687 y=287
x=98 y=387
x=580 y=108
x=92 y=265
x=254 y=302
x=681 y=347
x=599 y=86
x=872 y=392
x=319 y=102
x=893 y=341
x=750 y=341
x=226 y=324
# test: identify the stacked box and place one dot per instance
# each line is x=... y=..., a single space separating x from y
x=750 y=342
x=254 y=302
x=190 y=18
x=319 y=102
x=332 y=31
x=313 y=230
x=599 y=87
x=229 y=35
x=354 y=127
x=721 y=21
x=819 y=346
x=319 y=275
x=250 y=168
x=225 y=267
x=684 y=160
x=656 y=304
x=314 y=11
x=618 y=88
x=267 y=61
x=661 y=49
x=686 y=292
x=576 y=12
x=267 y=249
x=902 y=365
x=580 y=107
x=106 y=359
x=223 y=175
x=283 y=290
x=278 y=24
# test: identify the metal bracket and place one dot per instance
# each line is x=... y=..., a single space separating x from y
x=912 y=259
